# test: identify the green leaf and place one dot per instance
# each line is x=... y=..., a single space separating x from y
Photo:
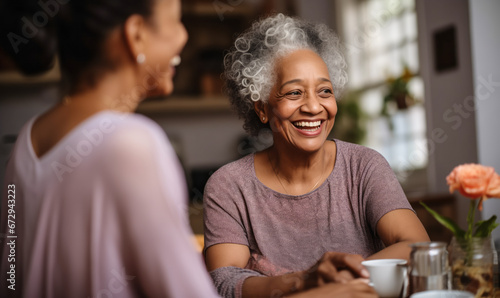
x=484 y=227
x=446 y=222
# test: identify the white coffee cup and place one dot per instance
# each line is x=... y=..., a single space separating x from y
x=388 y=276
x=442 y=294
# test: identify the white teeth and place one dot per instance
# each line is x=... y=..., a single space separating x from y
x=310 y=129
x=175 y=61
x=307 y=124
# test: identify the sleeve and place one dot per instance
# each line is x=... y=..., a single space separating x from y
x=156 y=238
x=224 y=213
x=381 y=190
x=225 y=220
x=229 y=280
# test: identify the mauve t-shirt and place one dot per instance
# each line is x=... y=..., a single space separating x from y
x=288 y=233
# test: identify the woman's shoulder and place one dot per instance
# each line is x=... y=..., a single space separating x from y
x=127 y=128
x=110 y=121
x=358 y=154
x=234 y=171
x=23 y=143
x=115 y=135
x=354 y=149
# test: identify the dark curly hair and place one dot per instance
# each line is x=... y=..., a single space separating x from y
x=75 y=31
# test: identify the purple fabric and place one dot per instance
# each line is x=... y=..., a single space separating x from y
x=290 y=233
x=102 y=214
x=226 y=285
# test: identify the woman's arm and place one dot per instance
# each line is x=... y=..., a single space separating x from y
x=388 y=211
x=398 y=229
x=153 y=234
x=236 y=255
x=332 y=267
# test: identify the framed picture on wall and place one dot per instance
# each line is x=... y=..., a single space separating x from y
x=445 y=49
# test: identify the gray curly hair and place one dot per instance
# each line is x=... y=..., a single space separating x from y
x=249 y=65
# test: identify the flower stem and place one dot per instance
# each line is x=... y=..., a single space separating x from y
x=470 y=219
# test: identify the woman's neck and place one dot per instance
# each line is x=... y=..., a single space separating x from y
x=300 y=172
x=113 y=92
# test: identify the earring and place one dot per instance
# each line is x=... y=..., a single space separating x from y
x=141 y=58
x=263 y=118
x=175 y=61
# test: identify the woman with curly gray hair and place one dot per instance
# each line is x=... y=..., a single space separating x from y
x=303 y=213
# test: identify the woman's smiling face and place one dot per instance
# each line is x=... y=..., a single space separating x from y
x=301 y=108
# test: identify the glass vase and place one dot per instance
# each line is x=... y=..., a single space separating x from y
x=472 y=264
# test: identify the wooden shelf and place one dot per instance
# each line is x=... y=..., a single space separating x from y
x=14 y=77
x=216 y=10
x=185 y=105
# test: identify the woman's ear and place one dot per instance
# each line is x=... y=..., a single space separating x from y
x=135 y=35
x=261 y=110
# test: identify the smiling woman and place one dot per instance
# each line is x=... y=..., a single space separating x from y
x=301 y=215
x=249 y=67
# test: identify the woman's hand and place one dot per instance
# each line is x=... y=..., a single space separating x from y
x=357 y=288
x=334 y=267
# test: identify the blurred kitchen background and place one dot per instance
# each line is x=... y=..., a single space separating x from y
x=424 y=90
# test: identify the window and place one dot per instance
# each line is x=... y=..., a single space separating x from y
x=381 y=41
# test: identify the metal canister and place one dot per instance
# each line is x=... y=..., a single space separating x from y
x=429 y=267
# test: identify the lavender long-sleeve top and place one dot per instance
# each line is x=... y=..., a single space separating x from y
x=290 y=233
x=102 y=214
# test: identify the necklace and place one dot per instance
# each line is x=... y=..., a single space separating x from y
x=281 y=183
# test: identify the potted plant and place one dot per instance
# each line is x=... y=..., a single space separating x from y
x=398 y=93
x=471 y=251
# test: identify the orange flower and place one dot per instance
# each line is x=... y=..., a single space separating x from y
x=475 y=182
x=493 y=190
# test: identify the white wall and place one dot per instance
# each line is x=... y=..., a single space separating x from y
x=451 y=134
x=484 y=24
